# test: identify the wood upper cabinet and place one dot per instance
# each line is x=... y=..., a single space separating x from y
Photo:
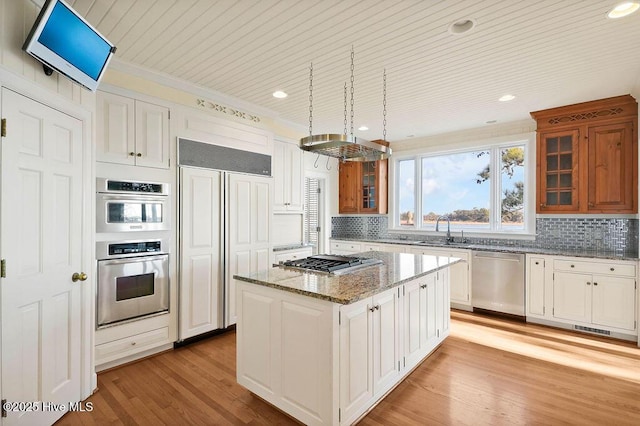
x=588 y=157
x=363 y=187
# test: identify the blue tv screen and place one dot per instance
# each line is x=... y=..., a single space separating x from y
x=64 y=41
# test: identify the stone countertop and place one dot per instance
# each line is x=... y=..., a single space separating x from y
x=395 y=269
x=599 y=254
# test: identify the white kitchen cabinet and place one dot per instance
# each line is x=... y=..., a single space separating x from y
x=369 y=351
x=535 y=286
x=593 y=295
x=345 y=247
x=287 y=177
x=460 y=280
x=596 y=294
x=420 y=328
x=131 y=132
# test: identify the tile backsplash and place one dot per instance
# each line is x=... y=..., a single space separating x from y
x=617 y=235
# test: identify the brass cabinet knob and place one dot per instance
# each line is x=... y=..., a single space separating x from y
x=78 y=277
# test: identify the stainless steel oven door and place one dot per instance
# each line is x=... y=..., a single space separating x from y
x=132 y=287
x=123 y=213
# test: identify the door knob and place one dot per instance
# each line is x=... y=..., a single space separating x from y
x=78 y=277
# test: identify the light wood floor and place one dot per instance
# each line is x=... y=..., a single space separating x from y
x=488 y=372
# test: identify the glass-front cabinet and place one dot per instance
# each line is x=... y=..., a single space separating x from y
x=363 y=187
x=559 y=171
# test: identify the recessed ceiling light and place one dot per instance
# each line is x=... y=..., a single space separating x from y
x=492 y=121
x=461 y=26
x=279 y=94
x=410 y=136
x=363 y=128
x=506 y=98
x=623 y=9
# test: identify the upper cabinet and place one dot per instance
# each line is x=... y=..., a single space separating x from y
x=287 y=177
x=588 y=157
x=363 y=187
x=130 y=131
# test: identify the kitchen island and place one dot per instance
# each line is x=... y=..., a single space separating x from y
x=326 y=348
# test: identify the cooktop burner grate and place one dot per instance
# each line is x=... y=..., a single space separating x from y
x=330 y=263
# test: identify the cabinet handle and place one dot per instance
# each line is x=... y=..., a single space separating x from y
x=139 y=154
x=595 y=283
x=132 y=154
x=537 y=263
x=573 y=266
x=377 y=307
x=133 y=343
x=588 y=283
x=591 y=204
x=542 y=206
x=373 y=308
x=612 y=269
x=423 y=286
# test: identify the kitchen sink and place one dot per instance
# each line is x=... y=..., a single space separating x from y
x=441 y=244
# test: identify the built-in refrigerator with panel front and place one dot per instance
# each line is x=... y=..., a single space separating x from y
x=225 y=229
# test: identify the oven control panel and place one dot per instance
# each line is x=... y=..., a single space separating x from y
x=135 y=247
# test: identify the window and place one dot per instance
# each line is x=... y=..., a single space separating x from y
x=482 y=190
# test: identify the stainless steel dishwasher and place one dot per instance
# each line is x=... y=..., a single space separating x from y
x=497 y=282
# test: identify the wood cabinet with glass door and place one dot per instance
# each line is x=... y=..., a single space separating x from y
x=363 y=187
x=588 y=157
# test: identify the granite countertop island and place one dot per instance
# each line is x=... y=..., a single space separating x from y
x=326 y=348
x=395 y=269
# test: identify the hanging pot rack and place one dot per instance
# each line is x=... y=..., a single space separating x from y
x=346 y=147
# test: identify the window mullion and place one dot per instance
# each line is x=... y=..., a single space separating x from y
x=418 y=192
x=495 y=190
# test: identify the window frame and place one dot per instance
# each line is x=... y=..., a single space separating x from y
x=493 y=146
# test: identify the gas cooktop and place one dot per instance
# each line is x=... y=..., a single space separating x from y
x=330 y=264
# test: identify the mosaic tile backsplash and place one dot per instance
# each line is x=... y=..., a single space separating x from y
x=617 y=235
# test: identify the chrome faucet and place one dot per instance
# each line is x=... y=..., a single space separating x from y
x=449 y=238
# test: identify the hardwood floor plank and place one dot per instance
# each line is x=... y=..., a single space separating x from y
x=488 y=372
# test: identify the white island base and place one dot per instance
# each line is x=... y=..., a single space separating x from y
x=326 y=363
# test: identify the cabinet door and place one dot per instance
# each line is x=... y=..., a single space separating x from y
x=152 y=135
x=572 y=296
x=115 y=129
x=442 y=303
x=614 y=301
x=386 y=365
x=558 y=171
x=612 y=187
x=349 y=179
x=535 y=286
x=356 y=386
x=281 y=189
x=295 y=178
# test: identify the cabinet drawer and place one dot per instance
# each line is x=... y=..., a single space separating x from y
x=346 y=246
x=293 y=255
x=130 y=345
x=620 y=269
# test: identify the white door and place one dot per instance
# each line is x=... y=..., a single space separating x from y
x=200 y=249
x=248 y=226
x=572 y=296
x=614 y=301
x=356 y=358
x=386 y=365
x=42 y=172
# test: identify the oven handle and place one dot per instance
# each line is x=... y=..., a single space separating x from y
x=143 y=258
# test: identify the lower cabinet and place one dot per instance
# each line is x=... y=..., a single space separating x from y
x=460 y=274
x=326 y=363
x=369 y=361
x=285 y=255
x=345 y=247
x=591 y=295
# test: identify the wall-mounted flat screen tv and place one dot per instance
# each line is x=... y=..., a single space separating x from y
x=64 y=41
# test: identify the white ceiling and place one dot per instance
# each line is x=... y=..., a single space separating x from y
x=546 y=53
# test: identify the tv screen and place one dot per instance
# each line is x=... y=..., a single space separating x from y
x=62 y=40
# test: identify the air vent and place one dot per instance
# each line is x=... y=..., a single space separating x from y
x=592 y=330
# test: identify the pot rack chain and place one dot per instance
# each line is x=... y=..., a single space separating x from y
x=345 y=108
x=311 y=99
x=352 y=56
x=384 y=105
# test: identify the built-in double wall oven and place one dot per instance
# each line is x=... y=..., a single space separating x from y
x=132 y=222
